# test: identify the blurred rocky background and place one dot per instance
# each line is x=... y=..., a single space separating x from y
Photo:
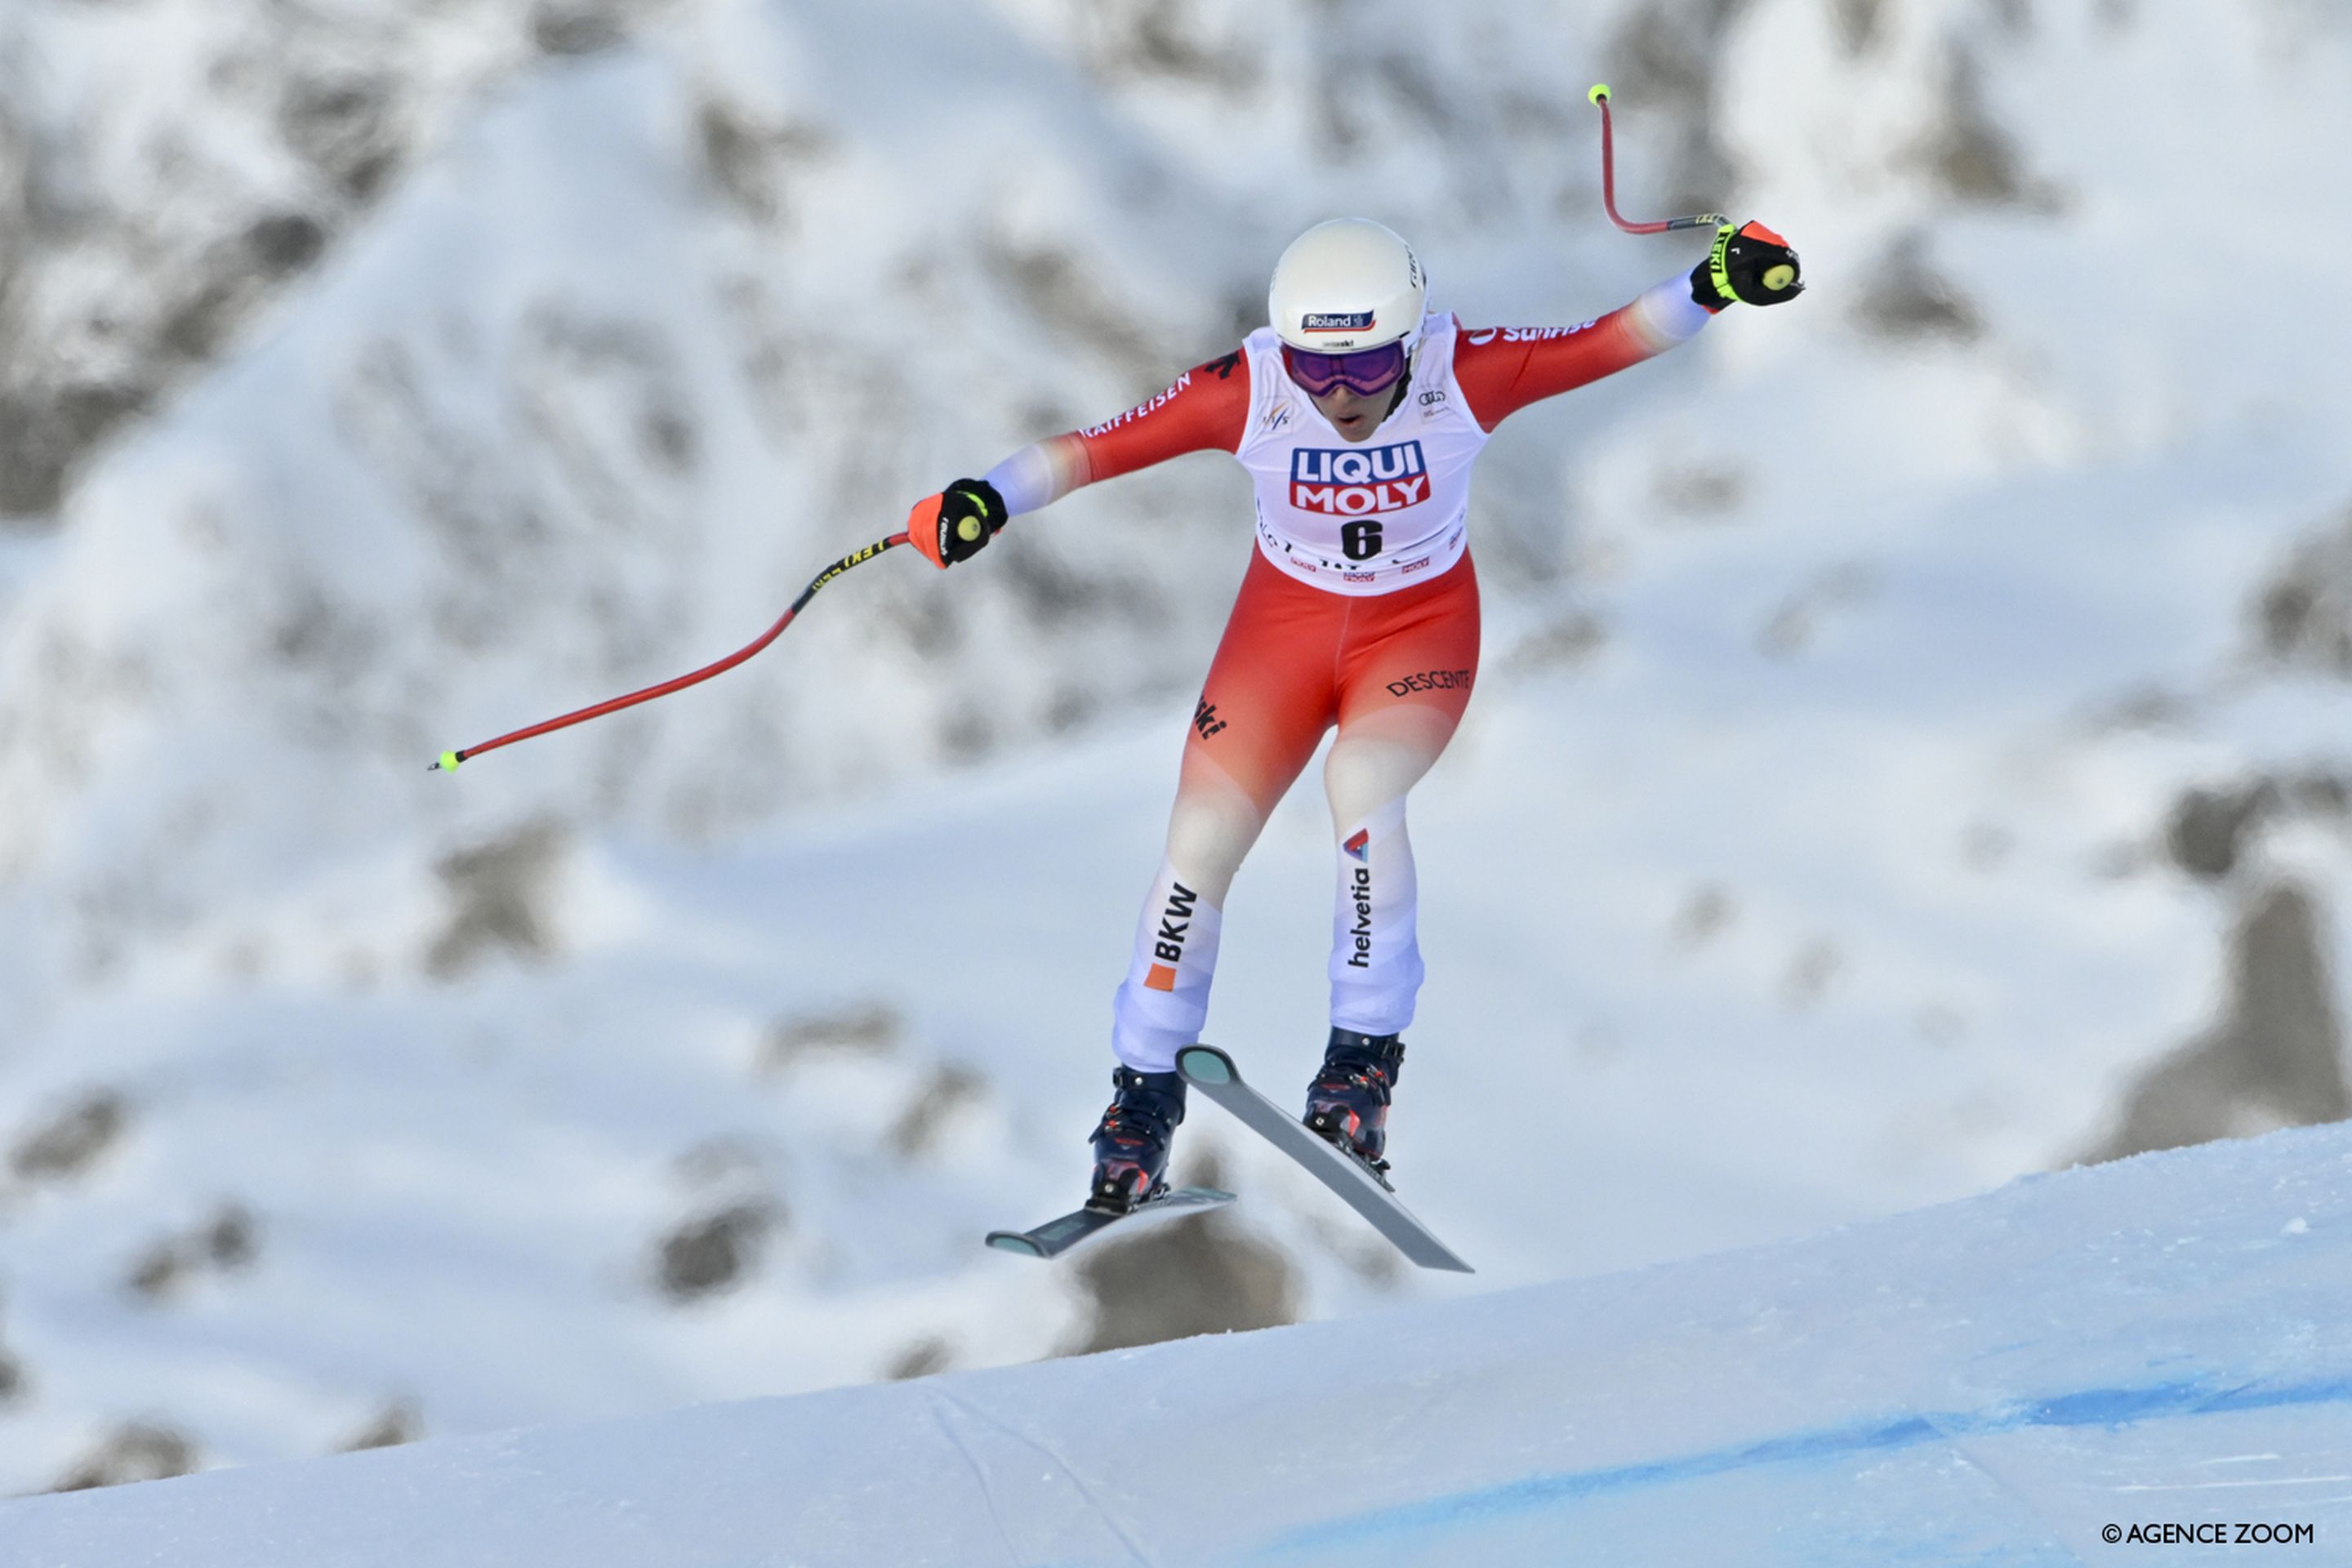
x=1910 y=752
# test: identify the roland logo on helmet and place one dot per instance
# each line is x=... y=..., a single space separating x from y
x=1346 y=286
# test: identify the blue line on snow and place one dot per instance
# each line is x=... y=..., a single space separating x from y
x=2088 y=1407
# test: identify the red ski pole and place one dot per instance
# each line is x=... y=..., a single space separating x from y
x=447 y=762
x=1600 y=95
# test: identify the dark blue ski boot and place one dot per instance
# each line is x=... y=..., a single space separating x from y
x=1348 y=1103
x=1131 y=1141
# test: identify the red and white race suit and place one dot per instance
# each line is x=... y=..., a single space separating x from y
x=1360 y=612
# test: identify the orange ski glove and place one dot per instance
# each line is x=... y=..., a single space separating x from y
x=957 y=523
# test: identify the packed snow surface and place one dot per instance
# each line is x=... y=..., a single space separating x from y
x=2156 y=1342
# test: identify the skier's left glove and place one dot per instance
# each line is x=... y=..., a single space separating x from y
x=957 y=523
x=1749 y=265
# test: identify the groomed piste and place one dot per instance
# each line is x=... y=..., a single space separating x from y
x=2156 y=1350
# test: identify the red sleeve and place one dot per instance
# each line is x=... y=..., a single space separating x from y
x=1501 y=370
x=1205 y=411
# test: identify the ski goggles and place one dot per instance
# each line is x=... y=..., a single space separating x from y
x=1363 y=372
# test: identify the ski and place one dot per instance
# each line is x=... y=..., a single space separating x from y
x=1056 y=1237
x=1365 y=1190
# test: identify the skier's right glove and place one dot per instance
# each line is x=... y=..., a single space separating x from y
x=1749 y=265
x=957 y=523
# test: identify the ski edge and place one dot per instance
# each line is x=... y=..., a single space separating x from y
x=1090 y=1223
x=1214 y=1072
x=1018 y=1242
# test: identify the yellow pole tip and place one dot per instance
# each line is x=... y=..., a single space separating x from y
x=1779 y=277
x=1599 y=90
x=968 y=530
x=450 y=761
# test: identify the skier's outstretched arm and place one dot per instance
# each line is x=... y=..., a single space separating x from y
x=1503 y=370
x=1205 y=410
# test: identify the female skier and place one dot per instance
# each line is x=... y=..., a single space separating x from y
x=1358 y=413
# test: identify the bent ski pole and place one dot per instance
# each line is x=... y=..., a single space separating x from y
x=447 y=762
x=1600 y=95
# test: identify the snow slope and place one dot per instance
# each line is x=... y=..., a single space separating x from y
x=440 y=1175
x=2159 y=1342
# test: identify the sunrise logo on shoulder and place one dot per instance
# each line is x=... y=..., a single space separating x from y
x=1359 y=481
x=1357 y=844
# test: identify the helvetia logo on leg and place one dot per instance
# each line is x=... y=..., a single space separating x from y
x=1362 y=957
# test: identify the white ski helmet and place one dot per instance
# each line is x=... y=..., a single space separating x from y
x=1348 y=285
